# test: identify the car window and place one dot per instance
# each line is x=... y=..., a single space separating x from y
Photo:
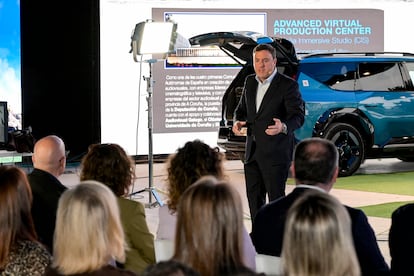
x=336 y=75
x=380 y=77
x=410 y=69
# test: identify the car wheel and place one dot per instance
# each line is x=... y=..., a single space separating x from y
x=350 y=146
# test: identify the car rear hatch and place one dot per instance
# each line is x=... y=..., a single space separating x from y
x=239 y=46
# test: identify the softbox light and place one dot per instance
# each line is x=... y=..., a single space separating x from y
x=151 y=37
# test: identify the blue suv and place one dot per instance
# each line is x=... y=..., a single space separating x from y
x=363 y=102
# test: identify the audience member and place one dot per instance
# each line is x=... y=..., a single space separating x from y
x=209 y=229
x=401 y=240
x=49 y=162
x=110 y=165
x=192 y=161
x=315 y=166
x=88 y=234
x=169 y=268
x=20 y=252
x=318 y=238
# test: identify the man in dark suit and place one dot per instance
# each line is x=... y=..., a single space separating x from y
x=271 y=108
x=315 y=167
x=401 y=240
x=49 y=162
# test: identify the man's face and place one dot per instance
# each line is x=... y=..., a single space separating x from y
x=264 y=64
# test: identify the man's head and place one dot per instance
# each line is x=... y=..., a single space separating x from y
x=315 y=163
x=264 y=60
x=49 y=155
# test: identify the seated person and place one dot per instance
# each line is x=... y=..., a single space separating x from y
x=49 y=162
x=110 y=165
x=401 y=240
x=89 y=234
x=318 y=238
x=192 y=161
x=315 y=167
x=209 y=229
x=20 y=251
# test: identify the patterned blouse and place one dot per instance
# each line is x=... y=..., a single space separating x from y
x=27 y=258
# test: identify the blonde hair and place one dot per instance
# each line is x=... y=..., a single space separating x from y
x=88 y=230
x=318 y=238
x=209 y=228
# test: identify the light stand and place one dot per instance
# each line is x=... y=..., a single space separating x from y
x=152 y=38
x=150 y=189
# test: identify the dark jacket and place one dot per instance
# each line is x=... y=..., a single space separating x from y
x=46 y=190
x=283 y=101
x=401 y=240
x=268 y=229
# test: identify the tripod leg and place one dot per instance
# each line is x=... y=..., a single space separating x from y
x=157 y=197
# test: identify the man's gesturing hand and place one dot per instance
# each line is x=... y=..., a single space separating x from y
x=276 y=128
x=239 y=128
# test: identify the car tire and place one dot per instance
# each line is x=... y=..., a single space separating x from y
x=350 y=146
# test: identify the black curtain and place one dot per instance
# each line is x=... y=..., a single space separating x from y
x=60 y=71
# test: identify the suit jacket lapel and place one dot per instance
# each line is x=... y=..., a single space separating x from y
x=252 y=94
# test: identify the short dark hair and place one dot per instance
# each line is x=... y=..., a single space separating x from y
x=315 y=161
x=265 y=47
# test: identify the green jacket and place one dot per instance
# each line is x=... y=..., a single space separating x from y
x=138 y=237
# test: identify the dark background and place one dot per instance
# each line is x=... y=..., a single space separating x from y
x=60 y=71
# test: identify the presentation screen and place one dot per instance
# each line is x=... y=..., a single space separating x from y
x=187 y=98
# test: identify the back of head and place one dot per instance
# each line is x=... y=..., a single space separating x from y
x=88 y=229
x=194 y=160
x=318 y=238
x=49 y=155
x=209 y=227
x=15 y=203
x=315 y=161
x=110 y=165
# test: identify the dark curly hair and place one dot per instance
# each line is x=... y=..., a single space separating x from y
x=187 y=165
x=109 y=164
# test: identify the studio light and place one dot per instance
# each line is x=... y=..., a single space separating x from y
x=151 y=37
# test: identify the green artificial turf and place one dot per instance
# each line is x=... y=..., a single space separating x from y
x=401 y=183
x=389 y=183
x=382 y=210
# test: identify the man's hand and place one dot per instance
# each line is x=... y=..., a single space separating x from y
x=239 y=128
x=276 y=128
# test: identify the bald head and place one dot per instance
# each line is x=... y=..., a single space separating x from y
x=49 y=155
